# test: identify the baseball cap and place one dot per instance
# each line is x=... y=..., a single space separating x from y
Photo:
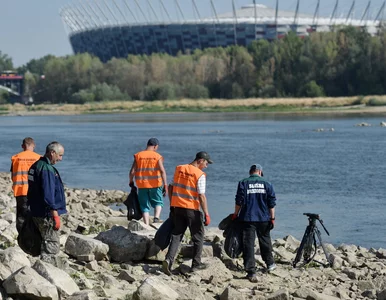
x=153 y=142
x=204 y=155
x=255 y=168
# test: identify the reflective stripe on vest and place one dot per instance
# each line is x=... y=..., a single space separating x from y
x=185 y=181
x=147 y=173
x=21 y=163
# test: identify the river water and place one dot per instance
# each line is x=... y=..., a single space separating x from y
x=338 y=172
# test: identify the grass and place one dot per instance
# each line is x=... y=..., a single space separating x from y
x=290 y=105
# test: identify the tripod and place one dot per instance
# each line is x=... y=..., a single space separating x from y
x=308 y=247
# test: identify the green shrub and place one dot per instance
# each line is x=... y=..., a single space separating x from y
x=166 y=91
x=82 y=97
x=99 y=92
x=4 y=97
x=376 y=102
x=312 y=90
x=196 y=91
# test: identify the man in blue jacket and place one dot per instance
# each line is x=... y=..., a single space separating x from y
x=46 y=200
x=255 y=209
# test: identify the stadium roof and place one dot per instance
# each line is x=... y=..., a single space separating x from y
x=262 y=11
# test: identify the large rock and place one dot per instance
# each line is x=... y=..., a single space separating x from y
x=26 y=283
x=124 y=245
x=65 y=284
x=83 y=295
x=81 y=245
x=11 y=260
x=154 y=289
x=215 y=272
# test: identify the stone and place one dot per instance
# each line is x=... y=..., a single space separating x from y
x=78 y=245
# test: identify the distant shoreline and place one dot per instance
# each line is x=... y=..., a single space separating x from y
x=295 y=106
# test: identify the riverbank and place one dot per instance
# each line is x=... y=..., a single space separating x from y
x=103 y=256
x=343 y=105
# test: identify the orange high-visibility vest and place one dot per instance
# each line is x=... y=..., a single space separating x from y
x=185 y=182
x=148 y=173
x=21 y=163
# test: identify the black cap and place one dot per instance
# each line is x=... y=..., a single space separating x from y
x=256 y=167
x=204 y=155
x=153 y=142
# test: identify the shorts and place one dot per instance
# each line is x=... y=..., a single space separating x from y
x=150 y=198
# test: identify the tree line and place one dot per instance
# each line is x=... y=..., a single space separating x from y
x=346 y=62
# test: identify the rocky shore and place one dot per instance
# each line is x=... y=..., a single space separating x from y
x=104 y=256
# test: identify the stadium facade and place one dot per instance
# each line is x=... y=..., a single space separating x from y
x=112 y=29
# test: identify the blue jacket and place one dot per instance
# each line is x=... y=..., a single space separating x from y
x=45 y=189
x=255 y=196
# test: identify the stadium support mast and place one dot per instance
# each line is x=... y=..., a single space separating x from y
x=199 y=17
x=128 y=25
x=334 y=11
x=152 y=9
x=350 y=12
x=130 y=11
x=276 y=15
x=296 y=12
x=165 y=10
x=166 y=26
x=68 y=20
x=366 y=10
x=214 y=22
x=118 y=24
x=180 y=10
x=196 y=9
x=255 y=11
x=380 y=12
x=316 y=14
x=235 y=21
x=140 y=9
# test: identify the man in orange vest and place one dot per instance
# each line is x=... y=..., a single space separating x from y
x=21 y=163
x=150 y=177
x=187 y=193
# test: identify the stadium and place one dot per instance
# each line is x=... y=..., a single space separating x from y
x=117 y=28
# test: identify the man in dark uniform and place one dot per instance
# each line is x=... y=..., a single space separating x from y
x=255 y=209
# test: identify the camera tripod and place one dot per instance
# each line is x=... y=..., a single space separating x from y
x=308 y=247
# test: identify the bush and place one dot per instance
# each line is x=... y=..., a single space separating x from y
x=166 y=91
x=312 y=90
x=105 y=92
x=376 y=102
x=82 y=97
x=99 y=92
x=196 y=91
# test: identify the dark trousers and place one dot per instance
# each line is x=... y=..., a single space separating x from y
x=184 y=218
x=21 y=211
x=250 y=230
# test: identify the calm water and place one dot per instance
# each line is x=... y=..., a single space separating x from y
x=339 y=174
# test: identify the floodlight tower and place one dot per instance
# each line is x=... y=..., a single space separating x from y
x=255 y=12
x=276 y=15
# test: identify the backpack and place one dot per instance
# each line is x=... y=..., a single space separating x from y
x=133 y=209
x=29 y=238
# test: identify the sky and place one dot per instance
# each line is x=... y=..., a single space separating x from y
x=32 y=29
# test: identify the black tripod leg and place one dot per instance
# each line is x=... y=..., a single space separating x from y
x=299 y=253
x=323 y=247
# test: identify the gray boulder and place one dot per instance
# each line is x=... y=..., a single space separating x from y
x=154 y=289
x=78 y=245
x=27 y=283
x=124 y=246
x=65 y=284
